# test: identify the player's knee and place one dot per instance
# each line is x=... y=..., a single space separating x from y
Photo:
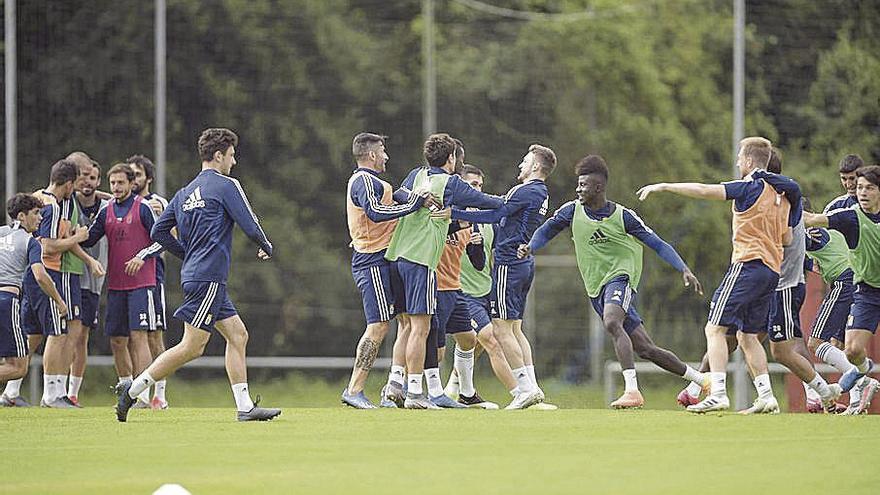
x=377 y=331
x=118 y=343
x=853 y=353
x=813 y=344
x=614 y=326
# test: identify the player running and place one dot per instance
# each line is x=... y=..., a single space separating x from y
x=609 y=256
x=860 y=226
x=204 y=213
x=765 y=208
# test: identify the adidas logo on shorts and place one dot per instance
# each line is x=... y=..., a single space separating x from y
x=194 y=200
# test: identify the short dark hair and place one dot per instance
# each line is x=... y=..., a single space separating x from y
x=459 y=154
x=215 y=139
x=122 y=168
x=143 y=162
x=871 y=173
x=364 y=143
x=545 y=157
x=63 y=171
x=774 y=165
x=592 y=164
x=850 y=163
x=471 y=169
x=437 y=149
x=22 y=202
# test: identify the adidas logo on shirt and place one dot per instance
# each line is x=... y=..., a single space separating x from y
x=598 y=237
x=194 y=200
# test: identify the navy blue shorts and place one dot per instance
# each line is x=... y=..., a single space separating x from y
x=618 y=291
x=375 y=285
x=452 y=315
x=205 y=303
x=90 y=309
x=742 y=301
x=50 y=321
x=129 y=310
x=784 y=322
x=70 y=290
x=834 y=311
x=13 y=343
x=510 y=286
x=478 y=310
x=159 y=306
x=864 y=314
x=414 y=287
x=30 y=323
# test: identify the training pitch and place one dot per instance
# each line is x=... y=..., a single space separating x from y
x=335 y=450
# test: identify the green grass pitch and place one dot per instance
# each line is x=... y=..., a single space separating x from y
x=335 y=450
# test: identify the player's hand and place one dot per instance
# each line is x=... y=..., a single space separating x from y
x=263 y=255
x=431 y=202
x=96 y=268
x=81 y=234
x=476 y=238
x=62 y=308
x=814 y=233
x=691 y=280
x=157 y=206
x=646 y=191
x=133 y=266
x=523 y=250
x=444 y=214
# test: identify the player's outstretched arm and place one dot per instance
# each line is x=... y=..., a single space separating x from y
x=815 y=219
x=368 y=194
x=560 y=220
x=688 y=189
x=636 y=227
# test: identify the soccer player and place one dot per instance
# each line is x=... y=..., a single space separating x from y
x=416 y=246
x=609 y=256
x=144 y=173
x=860 y=226
x=19 y=252
x=372 y=211
x=90 y=204
x=126 y=222
x=524 y=209
x=205 y=212
x=847 y=169
x=765 y=208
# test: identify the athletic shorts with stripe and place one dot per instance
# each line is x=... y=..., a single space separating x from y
x=204 y=303
x=159 y=306
x=864 y=314
x=834 y=311
x=69 y=288
x=374 y=282
x=619 y=292
x=478 y=310
x=452 y=315
x=49 y=320
x=13 y=342
x=90 y=302
x=414 y=287
x=30 y=323
x=510 y=286
x=129 y=310
x=742 y=301
x=784 y=322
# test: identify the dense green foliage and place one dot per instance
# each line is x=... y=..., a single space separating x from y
x=647 y=84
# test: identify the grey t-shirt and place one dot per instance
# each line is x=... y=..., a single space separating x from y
x=98 y=251
x=13 y=254
x=793 y=259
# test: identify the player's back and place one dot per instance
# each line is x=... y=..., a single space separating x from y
x=519 y=227
x=13 y=255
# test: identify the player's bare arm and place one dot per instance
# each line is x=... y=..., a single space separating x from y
x=815 y=219
x=688 y=189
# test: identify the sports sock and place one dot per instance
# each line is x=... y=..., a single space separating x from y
x=692 y=375
x=833 y=356
x=514 y=391
x=863 y=368
x=160 y=390
x=243 y=400
x=464 y=364
x=523 y=382
x=13 y=388
x=855 y=393
x=820 y=386
x=435 y=385
x=630 y=382
x=396 y=375
x=719 y=383
x=73 y=385
x=694 y=389
x=763 y=386
x=49 y=388
x=530 y=369
x=141 y=383
x=414 y=383
x=811 y=394
x=125 y=379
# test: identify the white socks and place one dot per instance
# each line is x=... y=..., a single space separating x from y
x=762 y=385
x=630 y=382
x=54 y=387
x=523 y=381
x=435 y=385
x=243 y=400
x=143 y=382
x=719 y=383
x=820 y=386
x=74 y=385
x=692 y=375
x=833 y=356
x=530 y=369
x=811 y=394
x=464 y=365
x=396 y=375
x=694 y=389
x=13 y=388
x=414 y=384
x=160 y=390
